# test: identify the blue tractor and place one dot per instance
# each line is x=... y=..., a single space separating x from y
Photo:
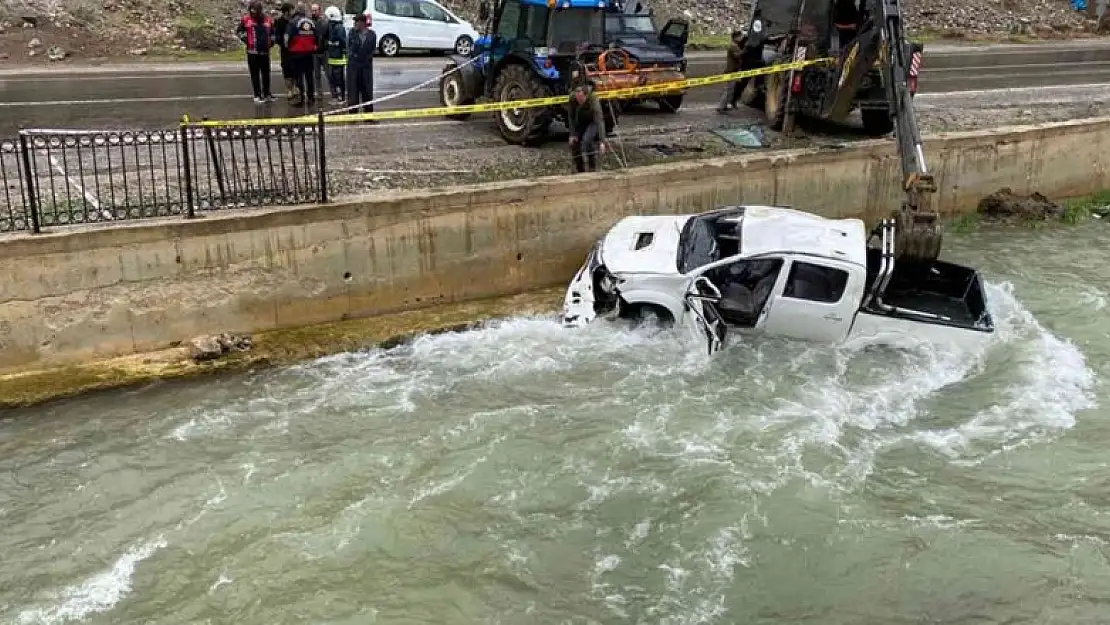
x=533 y=48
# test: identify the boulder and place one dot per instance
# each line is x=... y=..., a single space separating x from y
x=211 y=347
x=1005 y=204
x=205 y=348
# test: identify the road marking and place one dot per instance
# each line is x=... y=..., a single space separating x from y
x=192 y=98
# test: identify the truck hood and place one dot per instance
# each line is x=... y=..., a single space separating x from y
x=643 y=244
x=647 y=50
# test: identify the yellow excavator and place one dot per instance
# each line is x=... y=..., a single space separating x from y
x=875 y=70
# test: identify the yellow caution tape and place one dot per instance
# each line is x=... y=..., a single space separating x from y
x=442 y=111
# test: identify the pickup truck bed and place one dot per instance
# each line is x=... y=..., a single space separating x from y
x=945 y=293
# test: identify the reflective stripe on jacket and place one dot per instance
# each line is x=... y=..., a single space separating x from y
x=336 y=44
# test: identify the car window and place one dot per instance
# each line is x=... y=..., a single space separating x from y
x=815 y=283
x=402 y=8
x=509 y=22
x=430 y=11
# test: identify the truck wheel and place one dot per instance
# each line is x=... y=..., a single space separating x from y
x=452 y=92
x=521 y=126
x=876 y=122
x=670 y=103
x=774 y=99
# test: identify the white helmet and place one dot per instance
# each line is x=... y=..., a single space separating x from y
x=333 y=14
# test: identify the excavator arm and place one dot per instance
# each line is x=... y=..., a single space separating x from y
x=917 y=224
x=882 y=38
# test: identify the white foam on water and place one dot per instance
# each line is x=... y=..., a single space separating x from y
x=99 y=593
x=821 y=414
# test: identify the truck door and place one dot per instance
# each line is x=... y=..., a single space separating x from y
x=702 y=317
x=818 y=301
x=674 y=35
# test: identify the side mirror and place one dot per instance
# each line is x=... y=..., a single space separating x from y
x=483 y=11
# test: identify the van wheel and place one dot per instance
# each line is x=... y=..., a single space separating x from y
x=464 y=46
x=390 y=45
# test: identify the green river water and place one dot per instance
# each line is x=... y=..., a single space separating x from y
x=529 y=474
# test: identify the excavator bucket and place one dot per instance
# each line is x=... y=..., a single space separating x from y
x=852 y=64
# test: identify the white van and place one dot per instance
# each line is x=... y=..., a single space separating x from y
x=415 y=24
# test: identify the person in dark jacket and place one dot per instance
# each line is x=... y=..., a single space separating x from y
x=361 y=45
x=256 y=30
x=301 y=40
x=281 y=25
x=733 y=61
x=319 y=61
x=337 y=55
x=585 y=121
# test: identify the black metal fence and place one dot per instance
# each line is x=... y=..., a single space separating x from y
x=57 y=178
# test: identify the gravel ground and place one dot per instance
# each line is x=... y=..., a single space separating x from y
x=445 y=153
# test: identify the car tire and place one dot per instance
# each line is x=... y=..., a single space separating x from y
x=648 y=315
x=464 y=45
x=390 y=45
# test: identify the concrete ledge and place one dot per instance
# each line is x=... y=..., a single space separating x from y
x=77 y=295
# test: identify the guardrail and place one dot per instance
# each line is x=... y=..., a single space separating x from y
x=65 y=177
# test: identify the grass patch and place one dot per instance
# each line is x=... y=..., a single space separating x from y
x=1076 y=210
x=1082 y=208
x=964 y=223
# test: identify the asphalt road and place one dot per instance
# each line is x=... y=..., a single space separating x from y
x=151 y=97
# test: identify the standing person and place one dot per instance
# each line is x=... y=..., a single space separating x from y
x=585 y=121
x=323 y=29
x=336 y=54
x=361 y=45
x=733 y=60
x=301 y=40
x=281 y=25
x=256 y=30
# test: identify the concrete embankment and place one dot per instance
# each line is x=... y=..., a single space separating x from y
x=82 y=295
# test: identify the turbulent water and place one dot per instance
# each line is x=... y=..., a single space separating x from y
x=530 y=474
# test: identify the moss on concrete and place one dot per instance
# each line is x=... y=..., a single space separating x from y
x=271 y=348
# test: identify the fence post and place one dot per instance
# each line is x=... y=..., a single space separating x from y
x=321 y=148
x=29 y=178
x=187 y=162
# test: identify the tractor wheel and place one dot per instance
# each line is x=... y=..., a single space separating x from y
x=452 y=92
x=876 y=122
x=521 y=126
x=774 y=99
x=670 y=103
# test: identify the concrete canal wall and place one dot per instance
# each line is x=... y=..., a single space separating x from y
x=75 y=295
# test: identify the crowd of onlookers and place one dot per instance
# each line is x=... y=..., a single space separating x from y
x=310 y=42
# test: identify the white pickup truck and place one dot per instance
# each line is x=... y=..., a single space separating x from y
x=774 y=271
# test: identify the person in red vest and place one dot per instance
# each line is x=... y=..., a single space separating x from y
x=302 y=41
x=256 y=30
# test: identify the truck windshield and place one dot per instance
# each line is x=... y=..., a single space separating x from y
x=629 y=24
x=576 y=26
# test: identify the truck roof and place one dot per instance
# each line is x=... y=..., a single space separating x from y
x=779 y=229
